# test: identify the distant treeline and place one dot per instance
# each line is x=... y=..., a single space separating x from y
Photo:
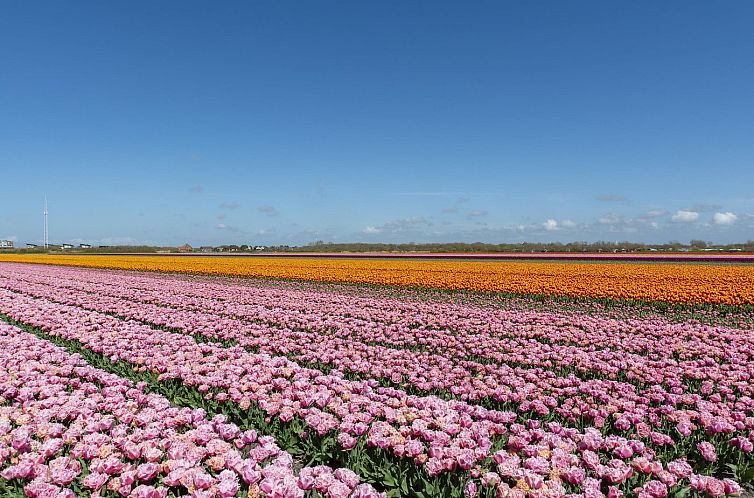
x=462 y=247
x=120 y=249
x=94 y=249
x=601 y=246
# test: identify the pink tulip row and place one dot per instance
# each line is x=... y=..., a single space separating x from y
x=723 y=408
x=548 y=328
x=68 y=428
x=462 y=331
x=296 y=307
x=440 y=436
x=532 y=389
x=279 y=386
x=299 y=308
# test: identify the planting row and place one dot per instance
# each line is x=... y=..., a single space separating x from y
x=676 y=283
x=445 y=325
x=69 y=429
x=663 y=416
x=369 y=423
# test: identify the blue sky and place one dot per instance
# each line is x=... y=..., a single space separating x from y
x=288 y=122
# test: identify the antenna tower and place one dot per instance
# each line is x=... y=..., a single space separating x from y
x=46 y=238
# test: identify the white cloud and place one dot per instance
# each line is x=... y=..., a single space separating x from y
x=550 y=225
x=726 y=218
x=372 y=230
x=683 y=216
x=568 y=223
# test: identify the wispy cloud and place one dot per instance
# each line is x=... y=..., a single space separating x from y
x=427 y=194
x=268 y=210
x=616 y=223
x=229 y=205
x=462 y=196
x=114 y=241
x=196 y=189
x=610 y=198
x=477 y=213
x=705 y=208
x=655 y=213
x=398 y=226
x=609 y=219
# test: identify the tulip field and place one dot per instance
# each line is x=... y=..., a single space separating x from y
x=669 y=283
x=170 y=376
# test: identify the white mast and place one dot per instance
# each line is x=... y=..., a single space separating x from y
x=46 y=240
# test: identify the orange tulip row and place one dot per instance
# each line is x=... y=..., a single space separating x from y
x=674 y=283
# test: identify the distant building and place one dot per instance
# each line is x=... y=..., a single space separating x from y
x=85 y=246
x=206 y=249
x=185 y=248
x=29 y=245
x=67 y=246
x=6 y=244
x=260 y=248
